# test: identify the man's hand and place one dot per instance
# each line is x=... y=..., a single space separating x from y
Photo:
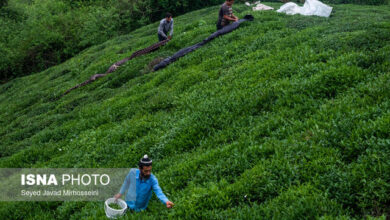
x=169 y=37
x=117 y=196
x=230 y=18
x=170 y=204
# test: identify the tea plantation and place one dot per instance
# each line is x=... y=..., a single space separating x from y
x=285 y=118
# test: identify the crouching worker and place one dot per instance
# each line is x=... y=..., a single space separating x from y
x=166 y=25
x=226 y=15
x=139 y=184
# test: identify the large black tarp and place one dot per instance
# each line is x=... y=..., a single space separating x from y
x=114 y=66
x=185 y=51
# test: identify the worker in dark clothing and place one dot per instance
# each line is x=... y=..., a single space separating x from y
x=226 y=15
x=166 y=25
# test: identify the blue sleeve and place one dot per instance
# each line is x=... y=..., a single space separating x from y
x=158 y=191
x=125 y=184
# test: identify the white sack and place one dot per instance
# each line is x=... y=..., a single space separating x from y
x=311 y=7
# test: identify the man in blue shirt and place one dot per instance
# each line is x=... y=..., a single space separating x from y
x=139 y=184
x=166 y=25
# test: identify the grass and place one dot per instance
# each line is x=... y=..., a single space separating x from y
x=286 y=118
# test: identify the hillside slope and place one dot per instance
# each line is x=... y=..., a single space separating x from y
x=286 y=117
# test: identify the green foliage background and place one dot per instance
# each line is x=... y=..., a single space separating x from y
x=287 y=118
x=41 y=33
x=3 y=2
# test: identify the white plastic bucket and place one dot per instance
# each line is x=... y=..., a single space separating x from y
x=114 y=213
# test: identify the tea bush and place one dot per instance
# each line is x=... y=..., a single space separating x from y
x=286 y=118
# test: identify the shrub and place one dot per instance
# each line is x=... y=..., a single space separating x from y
x=3 y=3
x=286 y=117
